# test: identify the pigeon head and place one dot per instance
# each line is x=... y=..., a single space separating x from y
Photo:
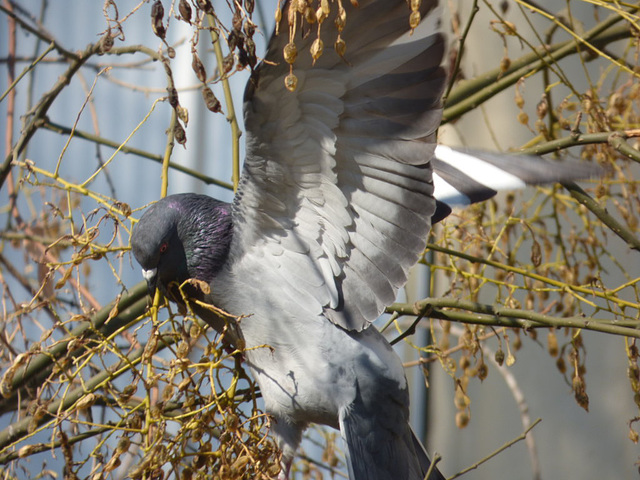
x=180 y=237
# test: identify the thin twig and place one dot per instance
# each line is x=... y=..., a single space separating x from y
x=459 y=54
x=231 y=112
x=534 y=276
x=498 y=451
x=55 y=127
x=614 y=225
x=483 y=314
x=472 y=93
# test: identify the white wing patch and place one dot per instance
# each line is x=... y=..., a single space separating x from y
x=481 y=171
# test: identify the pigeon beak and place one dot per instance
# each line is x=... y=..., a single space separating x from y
x=151 y=277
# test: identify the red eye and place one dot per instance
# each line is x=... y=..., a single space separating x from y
x=163 y=248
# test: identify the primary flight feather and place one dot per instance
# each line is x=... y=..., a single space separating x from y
x=333 y=208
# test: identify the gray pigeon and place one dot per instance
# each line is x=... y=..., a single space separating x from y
x=333 y=208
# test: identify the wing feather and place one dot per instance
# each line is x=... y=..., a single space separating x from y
x=336 y=194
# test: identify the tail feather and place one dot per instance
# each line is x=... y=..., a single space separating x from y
x=425 y=461
x=462 y=177
x=380 y=449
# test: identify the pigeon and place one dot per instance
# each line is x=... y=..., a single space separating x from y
x=341 y=183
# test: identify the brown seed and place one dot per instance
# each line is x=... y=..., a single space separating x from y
x=179 y=134
x=227 y=63
x=210 y=100
x=198 y=67
x=499 y=357
x=185 y=11
x=205 y=6
x=157 y=13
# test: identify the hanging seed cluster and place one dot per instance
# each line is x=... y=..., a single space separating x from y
x=301 y=14
x=200 y=15
x=468 y=359
x=159 y=28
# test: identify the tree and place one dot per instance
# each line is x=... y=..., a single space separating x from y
x=113 y=386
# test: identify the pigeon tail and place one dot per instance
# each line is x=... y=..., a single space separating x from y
x=381 y=447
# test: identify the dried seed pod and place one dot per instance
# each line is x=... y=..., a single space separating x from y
x=243 y=58
x=236 y=21
x=250 y=49
x=580 y=392
x=185 y=11
x=341 y=19
x=523 y=118
x=232 y=422
x=543 y=107
x=106 y=43
x=227 y=63
x=505 y=63
x=552 y=343
x=183 y=349
x=321 y=16
x=167 y=393
x=171 y=52
x=340 y=46
x=157 y=14
x=205 y=6
x=465 y=362
x=310 y=15
x=249 y=6
x=291 y=82
x=198 y=67
x=249 y=28
x=316 y=49
x=414 y=19
x=290 y=52
x=518 y=97
x=561 y=365
x=278 y=17
x=123 y=444
x=536 y=254
x=462 y=419
x=183 y=114
x=210 y=100
x=324 y=5
x=461 y=400
x=234 y=39
x=483 y=371
x=499 y=356
x=179 y=134
x=291 y=14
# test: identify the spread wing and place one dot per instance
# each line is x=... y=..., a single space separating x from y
x=336 y=196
